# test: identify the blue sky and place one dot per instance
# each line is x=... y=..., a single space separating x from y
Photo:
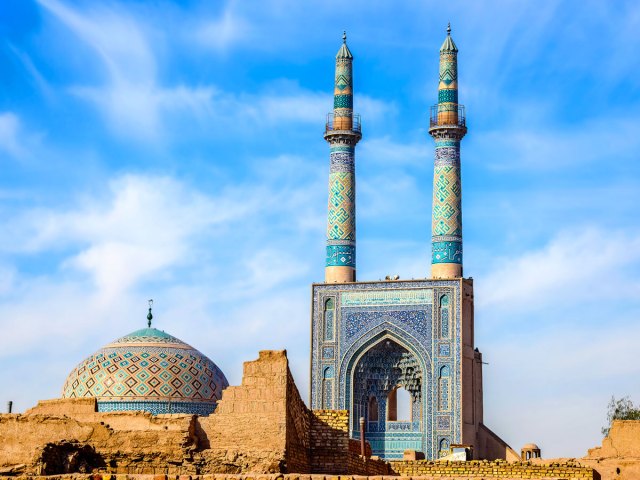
x=174 y=151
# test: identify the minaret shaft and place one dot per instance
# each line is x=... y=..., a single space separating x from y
x=447 y=127
x=343 y=133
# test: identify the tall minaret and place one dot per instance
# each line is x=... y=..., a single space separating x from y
x=343 y=133
x=447 y=127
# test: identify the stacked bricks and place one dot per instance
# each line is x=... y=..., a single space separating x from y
x=333 y=452
x=298 y=444
x=250 y=420
x=428 y=469
x=329 y=441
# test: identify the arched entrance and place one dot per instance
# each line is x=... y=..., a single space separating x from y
x=387 y=391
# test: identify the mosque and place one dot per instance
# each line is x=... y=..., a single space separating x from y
x=395 y=380
x=372 y=341
x=399 y=354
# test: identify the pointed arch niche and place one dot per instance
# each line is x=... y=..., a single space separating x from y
x=329 y=319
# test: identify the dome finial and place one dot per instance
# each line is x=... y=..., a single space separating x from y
x=449 y=28
x=344 y=36
x=150 y=315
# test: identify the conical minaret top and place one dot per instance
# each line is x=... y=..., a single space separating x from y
x=447 y=126
x=343 y=133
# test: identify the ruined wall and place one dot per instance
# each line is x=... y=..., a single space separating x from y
x=298 y=442
x=333 y=452
x=485 y=469
x=248 y=431
x=260 y=426
x=122 y=442
x=619 y=456
x=329 y=441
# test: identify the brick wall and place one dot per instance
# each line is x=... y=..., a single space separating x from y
x=298 y=443
x=329 y=435
x=260 y=426
x=490 y=469
x=248 y=431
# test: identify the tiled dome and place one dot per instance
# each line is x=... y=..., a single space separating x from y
x=148 y=370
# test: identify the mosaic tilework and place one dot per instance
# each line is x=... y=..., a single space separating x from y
x=444 y=316
x=415 y=296
x=342 y=148
x=440 y=143
x=368 y=315
x=444 y=350
x=147 y=366
x=343 y=83
x=343 y=101
x=443 y=422
x=447 y=201
x=341 y=162
x=448 y=70
x=329 y=319
x=328 y=352
x=447 y=157
x=158 y=407
x=341 y=256
x=341 y=221
x=443 y=388
x=446 y=252
x=448 y=96
x=447 y=190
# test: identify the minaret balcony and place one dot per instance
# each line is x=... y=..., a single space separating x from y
x=447 y=114
x=343 y=123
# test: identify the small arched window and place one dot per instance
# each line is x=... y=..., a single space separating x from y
x=444 y=447
x=444 y=316
x=327 y=388
x=329 y=314
x=373 y=408
x=443 y=388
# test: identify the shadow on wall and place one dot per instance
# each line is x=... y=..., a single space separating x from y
x=68 y=457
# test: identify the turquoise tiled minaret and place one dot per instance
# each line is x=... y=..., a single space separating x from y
x=343 y=133
x=447 y=127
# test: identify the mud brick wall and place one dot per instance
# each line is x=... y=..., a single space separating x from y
x=490 y=469
x=248 y=431
x=329 y=441
x=298 y=442
x=354 y=447
x=119 y=441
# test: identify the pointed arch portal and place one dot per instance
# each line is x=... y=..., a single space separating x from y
x=381 y=371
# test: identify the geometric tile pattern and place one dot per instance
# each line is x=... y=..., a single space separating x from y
x=448 y=71
x=385 y=334
x=341 y=256
x=446 y=226
x=447 y=208
x=343 y=101
x=149 y=370
x=341 y=210
x=446 y=252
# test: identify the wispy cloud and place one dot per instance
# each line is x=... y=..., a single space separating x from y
x=132 y=98
x=228 y=29
x=568 y=269
x=10 y=127
x=534 y=147
x=36 y=77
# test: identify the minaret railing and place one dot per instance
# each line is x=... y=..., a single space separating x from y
x=446 y=115
x=337 y=123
